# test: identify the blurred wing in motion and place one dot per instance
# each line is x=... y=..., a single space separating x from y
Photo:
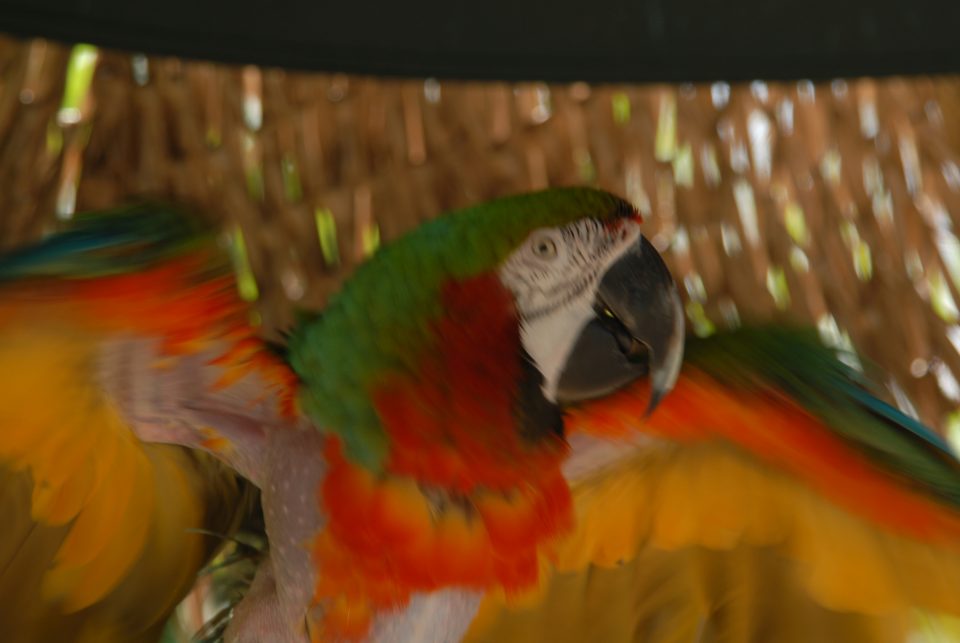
x=770 y=497
x=116 y=336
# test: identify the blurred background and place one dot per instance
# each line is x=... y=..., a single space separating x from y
x=826 y=194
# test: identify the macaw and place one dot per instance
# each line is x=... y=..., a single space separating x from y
x=487 y=435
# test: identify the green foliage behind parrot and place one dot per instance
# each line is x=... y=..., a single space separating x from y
x=485 y=436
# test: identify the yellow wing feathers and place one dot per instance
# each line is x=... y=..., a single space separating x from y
x=691 y=595
x=702 y=543
x=103 y=523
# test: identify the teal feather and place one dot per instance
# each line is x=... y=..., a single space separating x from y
x=105 y=243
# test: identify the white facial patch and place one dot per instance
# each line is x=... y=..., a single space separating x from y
x=554 y=278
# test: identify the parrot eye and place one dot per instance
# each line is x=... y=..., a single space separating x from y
x=545 y=248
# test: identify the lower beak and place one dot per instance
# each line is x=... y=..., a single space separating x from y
x=638 y=331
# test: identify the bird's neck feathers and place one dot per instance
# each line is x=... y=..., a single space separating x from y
x=470 y=488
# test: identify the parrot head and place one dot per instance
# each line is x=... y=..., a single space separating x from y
x=441 y=374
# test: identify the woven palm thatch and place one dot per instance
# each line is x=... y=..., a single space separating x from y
x=833 y=204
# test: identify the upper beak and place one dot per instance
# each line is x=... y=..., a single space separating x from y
x=638 y=330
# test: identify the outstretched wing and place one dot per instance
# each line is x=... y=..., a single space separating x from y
x=121 y=339
x=770 y=497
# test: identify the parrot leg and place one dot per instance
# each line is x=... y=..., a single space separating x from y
x=260 y=616
x=284 y=587
x=282 y=592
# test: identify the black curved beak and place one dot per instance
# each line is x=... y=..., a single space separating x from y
x=638 y=331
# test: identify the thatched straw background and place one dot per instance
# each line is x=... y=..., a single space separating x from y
x=831 y=203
